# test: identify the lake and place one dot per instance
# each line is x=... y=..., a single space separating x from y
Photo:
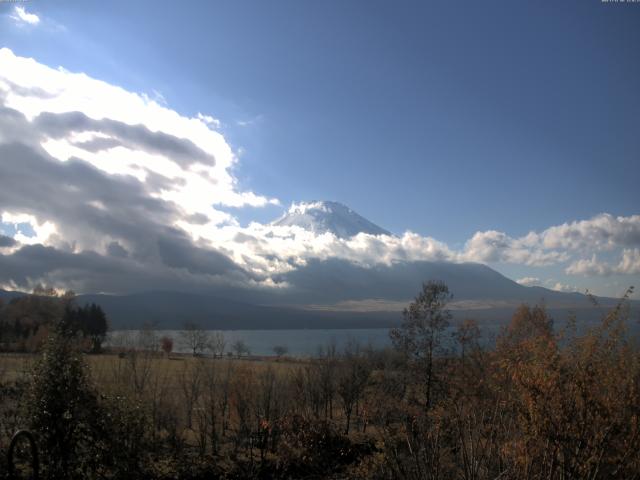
x=306 y=342
x=300 y=343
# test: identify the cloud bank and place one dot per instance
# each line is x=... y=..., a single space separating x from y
x=106 y=190
x=629 y=264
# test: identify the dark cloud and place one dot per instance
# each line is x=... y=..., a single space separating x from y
x=14 y=126
x=91 y=272
x=181 y=150
x=71 y=192
x=116 y=250
x=197 y=219
x=36 y=92
x=92 y=207
x=156 y=182
x=241 y=237
x=177 y=252
x=7 y=241
x=99 y=144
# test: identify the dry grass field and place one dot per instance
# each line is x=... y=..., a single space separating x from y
x=107 y=368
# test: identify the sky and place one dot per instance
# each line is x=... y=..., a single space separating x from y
x=497 y=132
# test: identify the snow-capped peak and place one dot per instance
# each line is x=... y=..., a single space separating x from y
x=323 y=216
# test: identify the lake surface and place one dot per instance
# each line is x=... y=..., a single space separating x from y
x=307 y=342
x=300 y=343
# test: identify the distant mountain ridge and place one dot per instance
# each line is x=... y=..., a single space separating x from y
x=332 y=280
x=328 y=217
x=479 y=292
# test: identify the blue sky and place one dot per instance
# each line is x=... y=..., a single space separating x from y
x=442 y=118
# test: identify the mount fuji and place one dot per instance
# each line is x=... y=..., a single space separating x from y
x=328 y=217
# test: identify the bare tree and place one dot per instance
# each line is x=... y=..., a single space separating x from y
x=148 y=338
x=208 y=413
x=280 y=350
x=158 y=400
x=224 y=396
x=326 y=365
x=191 y=380
x=240 y=348
x=195 y=338
x=243 y=386
x=309 y=389
x=265 y=408
x=353 y=377
x=467 y=335
x=218 y=344
x=139 y=358
x=420 y=335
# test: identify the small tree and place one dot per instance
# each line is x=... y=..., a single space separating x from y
x=147 y=339
x=89 y=320
x=166 y=344
x=420 y=335
x=240 y=348
x=96 y=326
x=218 y=344
x=191 y=383
x=63 y=408
x=467 y=335
x=353 y=377
x=280 y=350
x=195 y=337
x=526 y=323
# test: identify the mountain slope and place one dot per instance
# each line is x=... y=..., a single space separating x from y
x=335 y=280
x=332 y=217
x=323 y=295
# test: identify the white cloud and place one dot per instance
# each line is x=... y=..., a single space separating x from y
x=589 y=267
x=268 y=249
x=251 y=121
x=561 y=287
x=629 y=264
x=602 y=232
x=492 y=246
x=558 y=244
x=195 y=187
x=21 y=16
x=209 y=120
x=43 y=230
x=528 y=281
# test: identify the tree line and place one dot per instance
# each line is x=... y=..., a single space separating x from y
x=26 y=321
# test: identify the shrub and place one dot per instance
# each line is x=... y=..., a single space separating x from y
x=79 y=434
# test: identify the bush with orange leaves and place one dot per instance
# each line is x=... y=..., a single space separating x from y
x=575 y=398
x=543 y=404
